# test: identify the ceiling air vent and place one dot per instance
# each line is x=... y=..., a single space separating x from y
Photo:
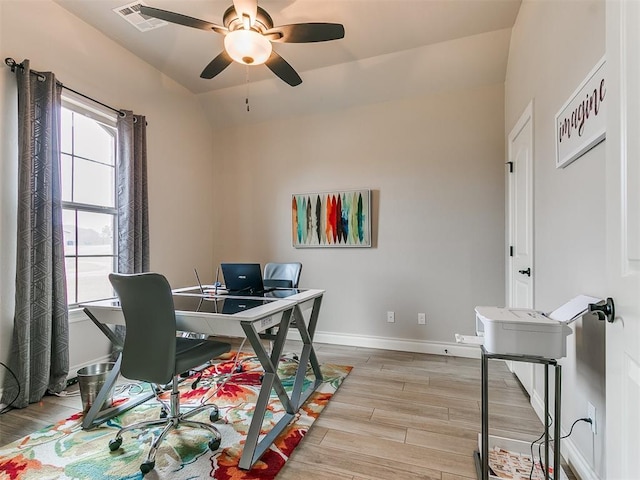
x=131 y=13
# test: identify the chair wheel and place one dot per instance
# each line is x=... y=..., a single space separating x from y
x=163 y=413
x=239 y=369
x=114 y=444
x=295 y=357
x=214 y=444
x=214 y=416
x=147 y=466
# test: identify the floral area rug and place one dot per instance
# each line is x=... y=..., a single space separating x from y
x=65 y=451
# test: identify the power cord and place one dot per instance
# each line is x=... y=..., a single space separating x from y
x=129 y=389
x=542 y=465
x=237 y=368
x=586 y=419
x=10 y=404
x=64 y=393
x=533 y=459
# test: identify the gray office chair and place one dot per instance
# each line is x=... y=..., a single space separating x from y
x=152 y=353
x=285 y=275
x=281 y=275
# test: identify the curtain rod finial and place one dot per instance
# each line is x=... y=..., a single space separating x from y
x=10 y=62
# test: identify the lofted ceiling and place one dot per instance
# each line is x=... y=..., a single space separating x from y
x=373 y=28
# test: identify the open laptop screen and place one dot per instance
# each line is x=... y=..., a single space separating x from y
x=242 y=277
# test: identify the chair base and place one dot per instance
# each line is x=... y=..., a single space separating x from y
x=172 y=421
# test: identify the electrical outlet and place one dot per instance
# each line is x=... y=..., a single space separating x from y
x=422 y=318
x=591 y=413
x=391 y=317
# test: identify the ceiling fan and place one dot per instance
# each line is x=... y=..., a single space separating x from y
x=249 y=31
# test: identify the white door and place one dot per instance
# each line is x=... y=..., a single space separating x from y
x=623 y=240
x=520 y=227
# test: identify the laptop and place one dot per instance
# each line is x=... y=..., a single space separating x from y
x=244 y=278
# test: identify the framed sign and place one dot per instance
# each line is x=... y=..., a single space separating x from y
x=331 y=219
x=581 y=122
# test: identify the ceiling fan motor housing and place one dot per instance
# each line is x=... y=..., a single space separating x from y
x=233 y=21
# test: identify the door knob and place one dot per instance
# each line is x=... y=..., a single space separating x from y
x=604 y=310
x=526 y=272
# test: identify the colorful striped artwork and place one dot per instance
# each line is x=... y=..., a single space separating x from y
x=331 y=219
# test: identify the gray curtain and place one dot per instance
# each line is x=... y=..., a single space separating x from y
x=133 y=205
x=40 y=345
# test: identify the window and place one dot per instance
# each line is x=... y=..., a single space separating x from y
x=88 y=147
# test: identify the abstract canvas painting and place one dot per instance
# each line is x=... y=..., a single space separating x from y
x=331 y=219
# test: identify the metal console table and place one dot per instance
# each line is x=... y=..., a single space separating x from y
x=482 y=458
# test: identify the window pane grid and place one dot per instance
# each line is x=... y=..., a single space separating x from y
x=92 y=160
x=90 y=256
x=89 y=210
x=85 y=207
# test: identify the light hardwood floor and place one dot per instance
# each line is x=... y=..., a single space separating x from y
x=398 y=415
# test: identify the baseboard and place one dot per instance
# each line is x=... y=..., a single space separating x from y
x=576 y=460
x=73 y=370
x=569 y=451
x=398 y=344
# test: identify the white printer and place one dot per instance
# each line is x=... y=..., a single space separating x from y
x=517 y=331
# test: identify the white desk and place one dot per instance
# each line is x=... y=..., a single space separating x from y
x=205 y=314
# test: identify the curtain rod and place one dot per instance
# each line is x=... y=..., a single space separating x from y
x=11 y=63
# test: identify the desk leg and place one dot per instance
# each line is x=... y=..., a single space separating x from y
x=267 y=365
x=281 y=337
x=96 y=415
x=485 y=417
x=91 y=416
x=104 y=329
x=307 y=356
x=313 y=322
x=253 y=449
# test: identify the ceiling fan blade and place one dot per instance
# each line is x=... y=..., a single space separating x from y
x=282 y=69
x=246 y=9
x=216 y=65
x=180 y=19
x=305 y=32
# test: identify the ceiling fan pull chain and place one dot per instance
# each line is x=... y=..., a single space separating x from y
x=246 y=100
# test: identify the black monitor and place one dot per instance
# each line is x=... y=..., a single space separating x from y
x=242 y=277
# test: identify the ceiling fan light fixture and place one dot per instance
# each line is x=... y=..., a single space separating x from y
x=247 y=47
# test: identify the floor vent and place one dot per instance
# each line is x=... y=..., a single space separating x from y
x=131 y=13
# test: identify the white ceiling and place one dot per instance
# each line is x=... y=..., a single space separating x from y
x=373 y=28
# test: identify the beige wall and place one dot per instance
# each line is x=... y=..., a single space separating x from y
x=554 y=45
x=179 y=146
x=435 y=164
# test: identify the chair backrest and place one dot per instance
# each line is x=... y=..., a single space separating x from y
x=149 y=352
x=282 y=274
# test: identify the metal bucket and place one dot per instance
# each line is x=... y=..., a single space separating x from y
x=90 y=380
